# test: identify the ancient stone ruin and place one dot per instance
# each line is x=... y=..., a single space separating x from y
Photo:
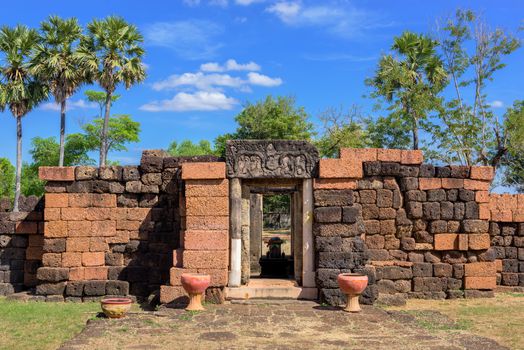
x=416 y=230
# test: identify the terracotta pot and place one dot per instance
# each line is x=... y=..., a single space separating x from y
x=195 y=284
x=352 y=284
x=116 y=307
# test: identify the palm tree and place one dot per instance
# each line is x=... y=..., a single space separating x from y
x=55 y=62
x=413 y=82
x=20 y=91
x=111 y=53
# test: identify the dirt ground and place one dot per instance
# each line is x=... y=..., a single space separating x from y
x=275 y=325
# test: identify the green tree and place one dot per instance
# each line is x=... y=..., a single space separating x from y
x=410 y=83
x=270 y=119
x=340 y=129
x=387 y=132
x=7 y=178
x=56 y=62
x=188 y=148
x=513 y=162
x=20 y=90
x=99 y=97
x=472 y=54
x=120 y=131
x=111 y=53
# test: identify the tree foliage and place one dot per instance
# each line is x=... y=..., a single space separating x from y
x=270 y=119
x=410 y=81
x=7 y=178
x=188 y=148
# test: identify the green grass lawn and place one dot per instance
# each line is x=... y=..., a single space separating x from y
x=40 y=325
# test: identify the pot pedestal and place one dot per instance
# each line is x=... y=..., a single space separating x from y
x=195 y=302
x=352 y=304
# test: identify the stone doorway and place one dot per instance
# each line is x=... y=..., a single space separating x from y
x=263 y=168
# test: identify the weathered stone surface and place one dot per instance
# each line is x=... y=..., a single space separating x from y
x=326 y=198
x=328 y=214
x=264 y=158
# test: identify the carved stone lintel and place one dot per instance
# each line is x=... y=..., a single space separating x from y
x=250 y=159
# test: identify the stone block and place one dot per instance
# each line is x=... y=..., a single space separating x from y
x=411 y=157
x=427 y=170
x=75 y=289
x=328 y=214
x=375 y=241
x=390 y=155
x=421 y=269
x=93 y=259
x=117 y=288
x=472 y=210
x=95 y=273
x=351 y=214
x=54 y=173
x=442 y=270
x=130 y=173
x=212 y=222
x=204 y=206
x=206 y=240
x=55 y=229
x=52 y=274
x=478 y=241
x=482 y=173
x=206 y=188
x=411 y=184
x=395 y=272
x=50 y=288
x=56 y=200
x=510 y=279
x=57 y=245
x=476 y=185
x=390 y=169
x=430 y=183
x=449 y=183
x=194 y=259
x=414 y=210
x=335 y=184
x=172 y=294
x=446 y=241
x=326 y=198
x=95 y=288
x=475 y=226
x=429 y=284
x=431 y=210
x=459 y=171
x=86 y=173
x=340 y=168
x=384 y=198
x=79 y=229
x=203 y=171
x=480 y=282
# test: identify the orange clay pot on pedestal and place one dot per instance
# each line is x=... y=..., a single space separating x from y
x=352 y=284
x=116 y=307
x=195 y=284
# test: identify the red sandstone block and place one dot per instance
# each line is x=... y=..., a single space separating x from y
x=482 y=173
x=334 y=184
x=503 y=202
x=482 y=197
x=340 y=169
x=206 y=240
x=77 y=274
x=480 y=269
x=95 y=273
x=169 y=294
x=448 y=183
x=389 y=155
x=218 y=276
x=178 y=257
x=175 y=273
x=463 y=241
x=412 y=157
x=122 y=236
x=52 y=214
x=96 y=244
x=520 y=201
x=207 y=188
x=202 y=259
x=71 y=259
x=203 y=171
x=139 y=214
x=480 y=282
x=429 y=183
x=446 y=241
x=93 y=259
x=104 y=200
x=77 y=244
x=94 y=214
x=48 y=173
x=479 y=241
x=498 y=265
x=26 y=227
x=207 y=206
x=360 y=154
x=128 y=225
x=207 y=223
x=501 y=215
x=80 y=200
x=73 y=214
x=56 y=200
x=52 y=259
x=78 y=229
x=136 y=234
x=518 y=215
x=105 y=228
x=119 y=213
x=34 y=253
x=55 y=229
x=476 y=185
x=484 y=211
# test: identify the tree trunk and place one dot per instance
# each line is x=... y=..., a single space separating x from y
x=415 y=133
x=62 y=131
x=18 y=162
x=103 y=145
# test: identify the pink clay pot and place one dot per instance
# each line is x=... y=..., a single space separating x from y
x=195 y=284
x=352 y=284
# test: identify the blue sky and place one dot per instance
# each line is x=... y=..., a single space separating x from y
x=205 y=59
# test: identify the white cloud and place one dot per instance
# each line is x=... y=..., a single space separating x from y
x=230 y=65
x=192 y=2
x=199 y=80
x=78 y=104
x=221 y=3
x=263 y=80
x=496 y=104
x=198 y=101
x=191 y=39
x=345 y=21
x=247 y=2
